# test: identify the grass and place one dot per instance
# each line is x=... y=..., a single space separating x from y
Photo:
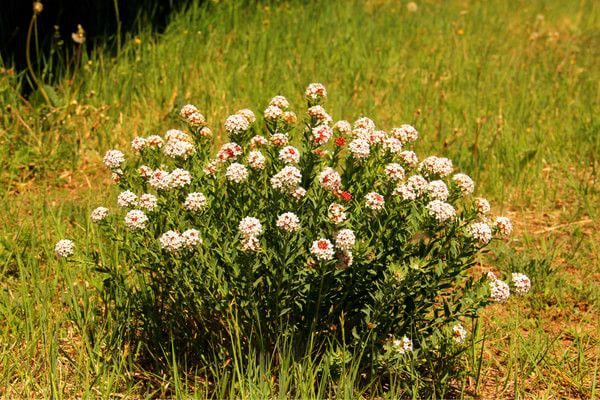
x=507 y=90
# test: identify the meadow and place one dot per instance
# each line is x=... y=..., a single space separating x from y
x=508 y=90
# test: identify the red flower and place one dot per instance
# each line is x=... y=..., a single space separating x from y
x=346 y=196
x=340 y=141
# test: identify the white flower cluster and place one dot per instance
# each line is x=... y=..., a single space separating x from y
x=279 y=139
x=237 y=173
x=441 y=211
x=434 y=165
x=403 y=345
x=250 y=228
x=409 y=158
x=289 y=154
x=394 y=172
x=480 y=231
x=392 y=145
x=288 y=222
x=287 y=179
x=148 y=202
x=321 y=134
x=99 y=214
x=256 y=160
x=483 y=206
x=229 y=151
x=459 y=333
x=342 y=127
x=405 y=134
x=190 y=113
x=499 y=291
x=237 y=124
x=136 y=220
x=195 y=202
x=172 y=241
x=319 y=114
x=322 y=249
x=336 y=213
x=464 y=183
x=64 y=248
x=374 y=201
x=521 y=282
x=113 y=159
x=330 y=179
x=178 y=145
x=316 y=91
x=504 y=226
x=345 y=239
x=438 y=190
x=360 y=149
x=127 y=199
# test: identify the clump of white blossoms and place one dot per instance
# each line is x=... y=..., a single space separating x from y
x=195 y=202
x=311 y=221
x=171 y=241
x=136 y=220
x=237 y=124
x=99 y=214
x=64 y=248
x=289 y=154
x=322 y=249
x=504 y=226
x=113 y=159
x=250 y=226
x=330 y=179
x=360 y=149
x=499 y=291
x=127 y=199
x=459 y=334
x=237 y=173
x=480 y=231
x=374 y=201
x=403 y=345
x=345 y=239
x=521 y=283
x=288 y=222
x=441 y=211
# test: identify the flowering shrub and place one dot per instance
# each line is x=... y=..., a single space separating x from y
x=318 y=231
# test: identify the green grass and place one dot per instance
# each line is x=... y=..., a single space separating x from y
x=507 y=90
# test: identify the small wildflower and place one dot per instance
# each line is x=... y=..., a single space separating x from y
x=179 y=178
x=499 y=291
x=480 y=231
x=64 y=248
x=113 y=159
x=336 y=213
x=250 y=226
x=187 y=110
x=316 y=92
x=148 y=202
x=288 y=222
x=279 y=101
x=138 y=144
x=319 y=114
x=99 y=214
x=330 y=179
x=394 y=172
x=392 y=145
x=289 y=154
x=521 y=282
x=459 y=334
x=437 y=190
x=195 y=202
x=441 y=211
x=279 y=139
x=247 y=114
x=250 y=244
x=464 y=183
x=229 y=151
x=409 y=158
x=191 y=238
x=171 y=241
x=374 y=201
x=483 y=206
x=345 y=239
x=360 y=149
x=434 y=165
x=126 y=199
x=504 y=226
x=321 y=134
x=406 y=134
x=289 y=177
x=237 y=173
x=322 y=249
x=236 y=124
x=256 y=160
x=342 y=127
x=403 y=345
x=136 y=220
x=273 y=113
